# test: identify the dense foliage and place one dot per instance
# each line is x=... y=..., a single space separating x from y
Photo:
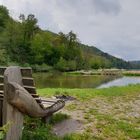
x=23 y=43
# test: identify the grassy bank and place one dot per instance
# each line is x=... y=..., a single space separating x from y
x=97 y=72
x=85 y=94
x=131 y=73
x=106 y=72
x=111 y=113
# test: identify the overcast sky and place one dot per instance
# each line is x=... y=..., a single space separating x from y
x=111 y=25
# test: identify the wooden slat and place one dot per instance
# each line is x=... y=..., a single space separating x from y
x=2 y=69
x=2 y=86
x=48 y=104
x=1 y=95
x=49 y=101
x=30 y=89
x=1 y=79
x=28 y=81
x=26 y=72
x=1 y=92
x=1 y=105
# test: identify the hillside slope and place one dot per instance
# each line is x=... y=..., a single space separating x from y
x=24 y=43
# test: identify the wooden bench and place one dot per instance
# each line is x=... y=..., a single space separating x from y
x=18 y=97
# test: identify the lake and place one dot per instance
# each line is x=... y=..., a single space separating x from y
x=121 y=82
x=59 y=80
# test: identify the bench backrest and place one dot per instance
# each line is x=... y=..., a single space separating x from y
x=28 y=84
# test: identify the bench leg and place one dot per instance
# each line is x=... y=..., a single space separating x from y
x=47 y=119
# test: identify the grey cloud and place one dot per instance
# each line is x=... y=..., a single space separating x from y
x=107 y=6
x=111 y=25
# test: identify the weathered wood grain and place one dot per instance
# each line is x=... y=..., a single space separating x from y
x=1 y=92
x=18 y=97
x=28 y=81
x=1 y=79
x=1 y=95
x=10 y=113
x=1 y=106
x=2 y=86
x=21 y=99
x=26 y=72
x=30 y=89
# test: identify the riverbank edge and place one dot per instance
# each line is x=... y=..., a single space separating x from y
x=111 y=72
x=88 y=93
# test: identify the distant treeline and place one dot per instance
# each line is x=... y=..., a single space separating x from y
x=24 y=43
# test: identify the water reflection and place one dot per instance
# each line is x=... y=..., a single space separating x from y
x=55 y=80
x=52 y=80
x=121 y=82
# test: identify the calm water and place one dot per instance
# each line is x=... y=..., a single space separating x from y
x=121 y=82
x=44 y=80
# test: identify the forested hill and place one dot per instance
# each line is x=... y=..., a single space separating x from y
x=135 y=64
x=24 y=43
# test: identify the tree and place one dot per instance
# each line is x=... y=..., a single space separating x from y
x=64 y=65
x=4 y=16
x=18 y=38
x=3 y=60
x=30 y=26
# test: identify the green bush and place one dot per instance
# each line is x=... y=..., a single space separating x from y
x=41 y=68
x=64 y=65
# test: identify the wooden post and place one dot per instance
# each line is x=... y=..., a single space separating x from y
x=10 y=113
x=2 y=69
x=1 y=105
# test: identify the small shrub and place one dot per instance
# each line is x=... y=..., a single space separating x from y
x=35 y=129
x=1 y=135
x=3 y=130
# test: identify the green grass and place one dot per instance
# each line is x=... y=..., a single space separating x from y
x=35 y=129
x=110 y=127
x=131 y=74
x=103 y=125
x=84 y=136
x=71 y=107
x=86 y=94
x=1 y=135
x=58 y=117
